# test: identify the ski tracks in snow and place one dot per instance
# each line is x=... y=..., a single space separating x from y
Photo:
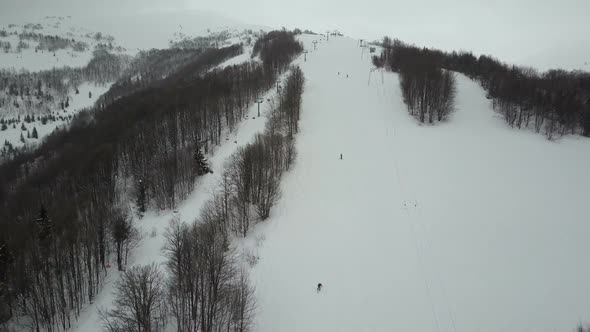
x=436 y=291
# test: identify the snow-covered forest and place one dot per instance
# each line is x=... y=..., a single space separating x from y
x=89 y=207
x=183 y=171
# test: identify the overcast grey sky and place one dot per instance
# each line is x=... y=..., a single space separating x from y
x=510 y=29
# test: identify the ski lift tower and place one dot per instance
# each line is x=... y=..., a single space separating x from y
x=371 y=71
x=259 y=101
x=279 y=96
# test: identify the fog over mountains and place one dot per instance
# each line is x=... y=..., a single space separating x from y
x=542 y=34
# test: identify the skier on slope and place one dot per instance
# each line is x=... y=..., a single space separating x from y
x=319 y=287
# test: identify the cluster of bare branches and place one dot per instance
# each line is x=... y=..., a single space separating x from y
x=250 y=185
x=277 y=48
x=140 y=303
x=428 y=91
x=207 y=291
x=55 y=276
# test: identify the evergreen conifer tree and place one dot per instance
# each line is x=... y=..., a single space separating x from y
x=202 y=164
x=44 y=225
x=141 y=199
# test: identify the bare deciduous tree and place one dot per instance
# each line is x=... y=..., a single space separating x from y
x=140 y=302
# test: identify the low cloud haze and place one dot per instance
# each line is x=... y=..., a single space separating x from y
x=512 y=30
x=518 y=31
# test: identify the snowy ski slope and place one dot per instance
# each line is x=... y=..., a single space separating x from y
x=463 y=226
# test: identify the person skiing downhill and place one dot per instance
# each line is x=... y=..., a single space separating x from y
x=319 y=287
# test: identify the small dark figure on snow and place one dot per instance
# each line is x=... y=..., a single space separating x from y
x=341 y=156
x=319 y=287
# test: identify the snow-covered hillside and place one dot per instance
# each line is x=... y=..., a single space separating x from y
x=464 y=226
x=57 y=42
x=87 y=95
x=50 y=42
x=47 y=79
x=146 y=30
x=467 y=225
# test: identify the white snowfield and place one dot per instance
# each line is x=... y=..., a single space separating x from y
x=467 y=225
x=64 y=27
x=43 y=60
x=237 y=60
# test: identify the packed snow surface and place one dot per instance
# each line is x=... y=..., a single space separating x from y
x=238 y=59
x=466 y=225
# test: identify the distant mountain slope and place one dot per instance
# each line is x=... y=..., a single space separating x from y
x=50 y=42
x=143 y=31
x=56 y=66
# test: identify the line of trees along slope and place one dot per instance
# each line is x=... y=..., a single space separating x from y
x=277 y=48
x=555 y=102
x=208 y=291
x=427 y=89
x=153 y=66
x=63 y=206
